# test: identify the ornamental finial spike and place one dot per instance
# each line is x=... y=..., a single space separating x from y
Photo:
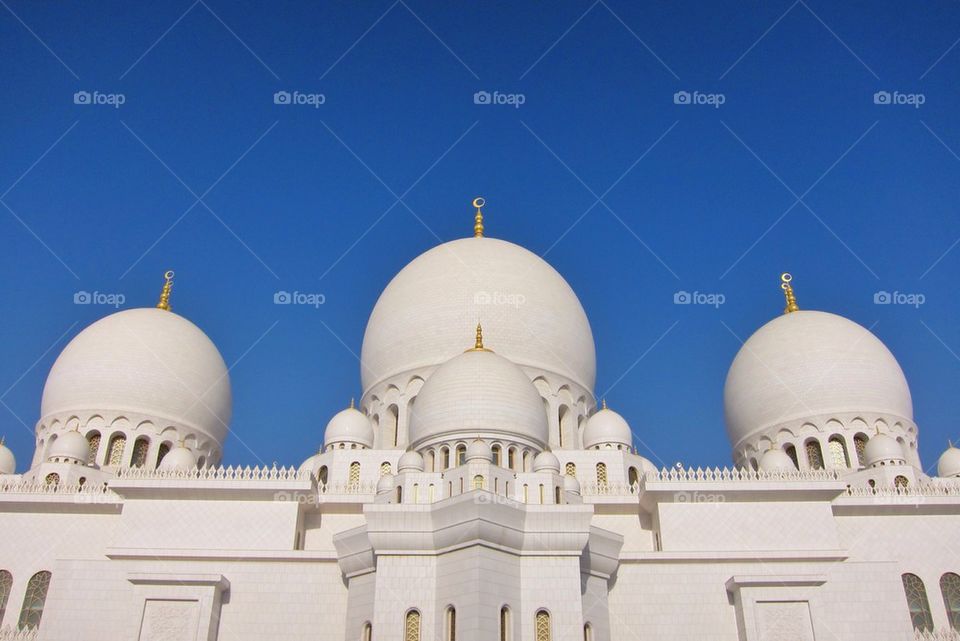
x=351 y=402
x=478 y=202
x=164 y=303
x=792 y=306
x=603 y=402
x=479 y=343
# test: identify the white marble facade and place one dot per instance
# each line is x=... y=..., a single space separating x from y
x=477 y=492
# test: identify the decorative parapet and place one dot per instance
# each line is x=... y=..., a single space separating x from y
x=347 y=488
x=936 y=635
x=737 y=474
x=924 y=490
x=13 y=634
x=25 y=487
x=610 y=489
x=221 y=473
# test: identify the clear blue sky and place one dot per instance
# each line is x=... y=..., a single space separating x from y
x=694 y=197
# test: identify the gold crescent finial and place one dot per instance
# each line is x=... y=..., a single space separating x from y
x=478 y=202
x=792 y=306
x=164 y=303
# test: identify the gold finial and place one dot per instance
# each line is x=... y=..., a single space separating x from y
x=4 y=438
x=351 y=403
x=603 y=402
x=478 y=202
x=164 y=303
x=478 y=345
x=785 y=279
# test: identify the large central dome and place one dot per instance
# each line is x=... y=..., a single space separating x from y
x=521 y=300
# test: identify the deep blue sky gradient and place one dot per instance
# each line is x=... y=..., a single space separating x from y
x=700 y=200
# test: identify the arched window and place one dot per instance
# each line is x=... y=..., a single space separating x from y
x=52 y=479
x=6 y=583
x=385 y=468
x=392 y=424
x=399 y=494
x=917 y=603
x=162 y=452
x=354 y=478
x=93 y=446
x=791 y=451
x=542 y=498
x=542 y=626
x=429 y=459
x=527 y=461
x=511 y=458
x=367 y=632
x=587 y=632
x=497 y=455
x=859 y=444
x=461 y=454
x=949 y=588
x=322 y=475
x=633 y=477
x=201 y=462
x=451 y=624
x=478 y=482
x=431 y=493
x=556 y=495
x=115 y=451
x=416 y=492
x=140 y=448
x=526 y=493
x=814 y=454
x=504 y=623
x=411 y=626
x=601 y=475
x=570 y=469
x=33 y=600
x=901 y=481
x=838 y=451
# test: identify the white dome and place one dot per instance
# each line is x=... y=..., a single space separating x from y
x=478 y=393
x=70 y=444
x=385 y=484
x=147 y=361
x=180 y=459
x=530 y=313
x=806 y=364
x=8 y=462
x=881 y=447
x=776 y=460
x=606 y=426
x=571 y=484
x=546 y=461
x=349 y=426
x=410 y=461
x=948 y=465
x=479 y=450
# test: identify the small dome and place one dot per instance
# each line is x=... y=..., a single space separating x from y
x=349 y=426
x=647 y=465
x=478 y=450
x=410 y=461
x=385 y=484
x=805 y=364
x=546 y=461
x=148 y=361
x=571 y=484
x=179 y=459
x=8 y=463
x=478 y=393
x=882 y=448
x=606 y=427
x=776 y=460
x=949 y=464
x=71 y=445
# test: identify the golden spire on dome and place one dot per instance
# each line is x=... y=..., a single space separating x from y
x=603 y=402
x=478 y=202
x=478 y=346
x=351 y=402
x=164 y=303
x=792 y=306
